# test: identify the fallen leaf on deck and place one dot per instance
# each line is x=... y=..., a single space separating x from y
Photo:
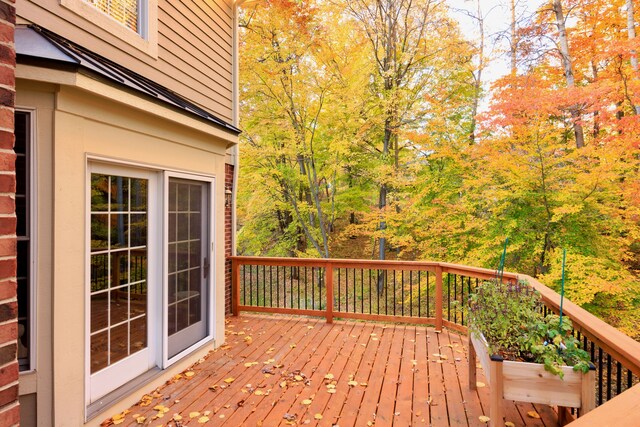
x=328 y=377
x=248 y=339
x=259 y=393
x=307 y=402
x=145 y=401
x=194 y=414
x=479 y=384
x=189 y=374
x=203 y=420
x=509 y=424
x=250 y=364
x=318 y=416
x=298 y=378
x=140 y=420
x=353 y=383
x=309 y=327
x=484 y=419
x=533 y=414
x=229 y=380
x=213 y=387
x=331 y=386
x=283 y=384
x=331 y=390
x=289 y=417
x=292 y=345
x=177 y=417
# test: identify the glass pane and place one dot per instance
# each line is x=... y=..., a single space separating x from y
x=119 y=304
x=138 y=230
x=99 y=272
x=119 y=343
x=182 y=320
x=195 y=226
x=99 y=232
x=172 y=288
x=99 y=311
x=119 y=194
x=194 y=310
x=171 y=324
x=183 y=226
x=99 y=349
x=183 y=285
x=173 y=219
x=173 y=257
x=195 y=198
x=138 y=299
x=99 y=193
x=173 y=196
x=138 y=338
x=194 y=279
x=183 y=197
x=21 y=172
x=138 y=265
x=194 y=254
x=138 y=195
x=119 y=230
x=183 y=256
x=21 y=215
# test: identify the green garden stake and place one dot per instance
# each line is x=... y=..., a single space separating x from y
x=564 y=259
x=502 y=260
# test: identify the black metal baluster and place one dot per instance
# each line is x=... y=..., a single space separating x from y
x=449 y=297
x=250 y=285
x=306 y=295
x=608 y=376
x=455 y=298
x=462 y=300
x=629 y=378
x=386 y=292
x=599 y=376
x=618 y=378
x=264 y=286
x=354 y=291
x=362 y=290
x=339 y=286
x=394 y=292
x=370 y=291
x=410 y=293
x=271 y=286
x=402 y=300
x=244 y=285
x=419 y=296
x=428 y=298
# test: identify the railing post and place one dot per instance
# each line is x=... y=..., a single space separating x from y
x=496 y=402
x=329 y=291
x=438 y=298
x=235 y=286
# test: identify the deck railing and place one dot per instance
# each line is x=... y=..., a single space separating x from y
x=414 y=292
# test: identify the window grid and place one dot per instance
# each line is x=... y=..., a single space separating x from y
x=126 y=12
x=118 y=329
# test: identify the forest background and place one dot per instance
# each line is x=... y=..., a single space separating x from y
x=369 y=132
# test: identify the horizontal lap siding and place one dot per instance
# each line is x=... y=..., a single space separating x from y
x=195 y=40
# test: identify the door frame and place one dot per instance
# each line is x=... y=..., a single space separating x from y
x=153 y=261
x=210 y=301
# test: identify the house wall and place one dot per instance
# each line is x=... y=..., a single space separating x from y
x=9 y=408
x=193 y=55
x=72 y=124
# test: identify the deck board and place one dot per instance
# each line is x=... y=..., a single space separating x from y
x=400 y=381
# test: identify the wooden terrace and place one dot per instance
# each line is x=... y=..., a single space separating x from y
x=288 y=369
x=360 y=343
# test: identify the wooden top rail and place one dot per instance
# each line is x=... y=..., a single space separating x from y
x=619 y=411
x=620 y=346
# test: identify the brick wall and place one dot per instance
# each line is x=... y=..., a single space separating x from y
x=228 y=238
x=9 y=410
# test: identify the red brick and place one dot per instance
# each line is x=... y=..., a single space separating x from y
x=7 y=183
x=8 y=160
x=6 y=33
x=10 y=416
x=7 y=12
x=9 y=395
x=8 y=332
x=8 y=268
x=7 y=54
x=8 y=311
x=8 y=353
x=8 y=76
x=9 y=373
x=7 y=97
x=7 y=290
x=7 y=139
x=7 y=225
x=8 y=246
x=6 y=115
x=7 y=206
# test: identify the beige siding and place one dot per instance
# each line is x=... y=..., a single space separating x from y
x=194 y=56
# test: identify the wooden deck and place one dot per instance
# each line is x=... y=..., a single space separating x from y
x=293 y=370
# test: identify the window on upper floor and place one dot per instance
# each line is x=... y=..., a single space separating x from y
x=132 y=21
x=126 y=12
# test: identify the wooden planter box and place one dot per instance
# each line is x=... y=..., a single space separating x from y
x=529 y=382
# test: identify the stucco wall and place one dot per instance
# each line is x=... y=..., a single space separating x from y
x=85 y=125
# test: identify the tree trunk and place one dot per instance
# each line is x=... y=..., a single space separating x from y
x=514 y=40
x=631 y=30
x=477 y=77
x=568 y=69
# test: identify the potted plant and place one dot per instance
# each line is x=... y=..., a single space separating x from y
x=525 y=355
